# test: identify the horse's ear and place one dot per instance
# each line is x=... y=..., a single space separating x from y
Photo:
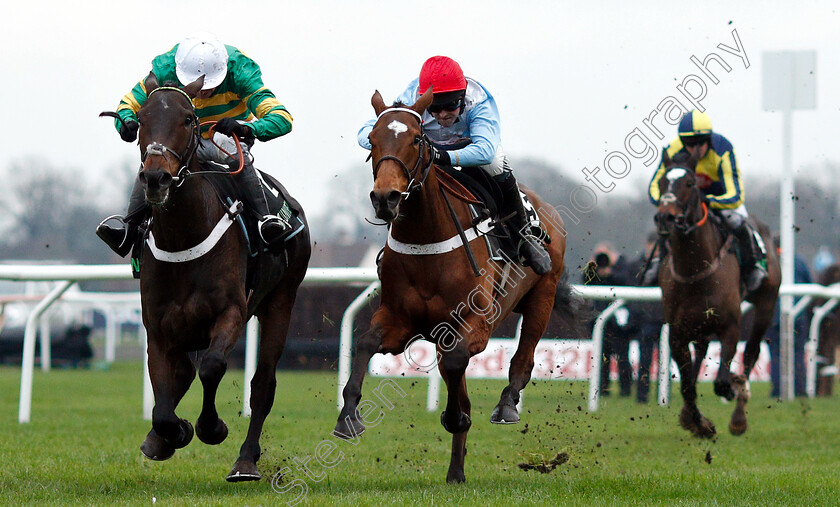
x=693 y=159
x=423 y=102
x=151 y=83
x=377 y=103
x=193 y=88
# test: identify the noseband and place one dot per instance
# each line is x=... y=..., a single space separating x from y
x=158 y=149
x=411 y=174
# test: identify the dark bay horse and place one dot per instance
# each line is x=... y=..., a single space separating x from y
x=201 y=303
x=433 y=293
x=828 y=348
x=701 y=295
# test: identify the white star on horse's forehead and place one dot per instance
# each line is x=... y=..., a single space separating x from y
x=398 y=127
x=676 y=173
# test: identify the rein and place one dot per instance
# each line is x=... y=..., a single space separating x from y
x=713 y=266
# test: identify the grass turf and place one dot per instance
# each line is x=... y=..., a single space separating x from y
x=82 y=447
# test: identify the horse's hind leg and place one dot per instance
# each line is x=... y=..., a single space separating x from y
x=223 y=335
x=274 y=315
x=690 y=417
x=171 y=375
x=456 y=418
x=741 y=383
x=535 y=315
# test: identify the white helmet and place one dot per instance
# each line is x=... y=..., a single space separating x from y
x=199 y=55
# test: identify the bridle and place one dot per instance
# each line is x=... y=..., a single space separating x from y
x=680 y=223
x=414 y=182
x=157 y=149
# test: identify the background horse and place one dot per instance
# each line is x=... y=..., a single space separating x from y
x=828 y=357
x=436 y=295
x=701 y=295
x=201 y=303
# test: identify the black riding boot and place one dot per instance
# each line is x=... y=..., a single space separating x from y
x=755 y=260
x=121 y=239
x=272 y=228
x=530 y=247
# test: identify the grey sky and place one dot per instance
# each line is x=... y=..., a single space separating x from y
x=572 y=79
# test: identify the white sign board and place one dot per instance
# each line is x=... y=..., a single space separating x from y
x=553 y=360
x=789 y=80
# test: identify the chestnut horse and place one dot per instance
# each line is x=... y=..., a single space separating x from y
x=701 y=295
x=201 y=303
x=433 y=292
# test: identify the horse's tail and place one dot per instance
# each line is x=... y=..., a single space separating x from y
x=574 y=310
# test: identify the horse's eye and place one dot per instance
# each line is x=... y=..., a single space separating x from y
x=188 y=121
x=417 y=139
x=689 y=184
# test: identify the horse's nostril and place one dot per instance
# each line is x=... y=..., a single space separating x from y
x=374 y=200
x=394 y=198
x=165 y=180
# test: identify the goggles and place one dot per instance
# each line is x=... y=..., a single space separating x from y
x=449 y=106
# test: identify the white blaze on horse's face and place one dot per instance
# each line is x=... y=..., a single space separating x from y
x=397 y=127
x=675 y=174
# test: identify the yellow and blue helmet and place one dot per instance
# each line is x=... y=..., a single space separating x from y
x=694 y=124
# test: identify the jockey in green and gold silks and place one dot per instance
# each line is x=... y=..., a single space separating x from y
x=241 y=95
x=233 y=96
x=718 y=175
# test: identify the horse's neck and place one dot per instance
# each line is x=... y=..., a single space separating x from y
x=696 y=250
x=188 y=216
x=425 y=217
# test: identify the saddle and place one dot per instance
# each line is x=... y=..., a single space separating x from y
x=279 y=203
x=501 y=242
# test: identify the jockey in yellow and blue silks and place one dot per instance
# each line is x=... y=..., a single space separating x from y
x=718 y=175
x=234 y=96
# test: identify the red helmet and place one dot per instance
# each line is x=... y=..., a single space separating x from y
x=443 y=74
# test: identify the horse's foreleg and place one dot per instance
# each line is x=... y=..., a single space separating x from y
x=700 y=348
x=274 y=327
x=690 y=417
x=729 y=337
x=349 y=424
x=223 y=335
x=535 y=315
x=456 y=417
x=171 y=374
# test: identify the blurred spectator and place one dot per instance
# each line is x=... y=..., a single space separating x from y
x=801 y=326
x=822 y=259
x=646 y=318
x=608 y=267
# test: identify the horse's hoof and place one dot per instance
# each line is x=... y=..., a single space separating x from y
x=464 y=423
x=155 y=448
x=737 y=429
x=724 y=390
x=705 y=428
x=215 y=437
x=186 y=435
x=348 y=428
x=504 y=414
x=456 y=477
x=243 y=471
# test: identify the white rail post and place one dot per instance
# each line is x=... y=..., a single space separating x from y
x=28 y=359
x=252 y=332
x=664 y=384
x=345 y=341
x=597 y=348
x=148 y=393
x=46 y=341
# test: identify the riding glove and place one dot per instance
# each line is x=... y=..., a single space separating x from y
x=441 y=157
x=228 y=126
x=129 y=131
